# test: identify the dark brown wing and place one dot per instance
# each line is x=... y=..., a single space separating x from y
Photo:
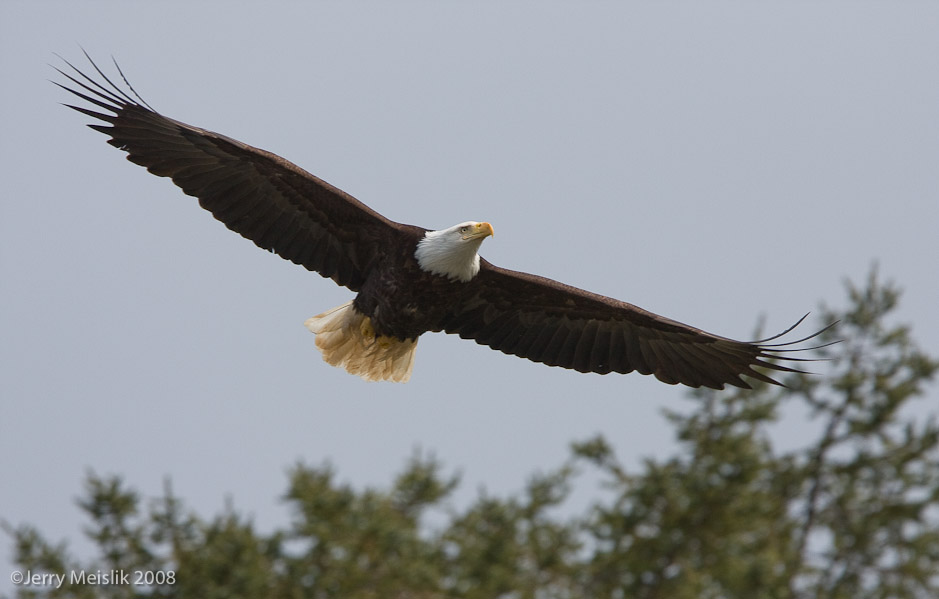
x=546 y=321
x=272 y=202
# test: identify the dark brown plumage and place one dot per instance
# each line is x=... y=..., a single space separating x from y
x=284 y=209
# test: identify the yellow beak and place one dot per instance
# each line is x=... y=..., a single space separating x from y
x=483 y=230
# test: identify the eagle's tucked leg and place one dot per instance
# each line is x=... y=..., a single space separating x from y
x=347 y=339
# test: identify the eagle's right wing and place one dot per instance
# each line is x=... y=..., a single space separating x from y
x=272 y=202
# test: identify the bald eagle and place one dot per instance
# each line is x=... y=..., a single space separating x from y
x=410 y=280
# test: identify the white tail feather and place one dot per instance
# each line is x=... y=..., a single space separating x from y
x=346 y=338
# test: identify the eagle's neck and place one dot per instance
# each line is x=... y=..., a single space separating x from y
x=445 y=254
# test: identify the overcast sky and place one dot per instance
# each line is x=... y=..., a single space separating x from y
x=712 y=162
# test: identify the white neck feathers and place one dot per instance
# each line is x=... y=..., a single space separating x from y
x=447 y=254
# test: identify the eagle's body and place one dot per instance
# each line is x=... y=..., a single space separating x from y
x=411 y=280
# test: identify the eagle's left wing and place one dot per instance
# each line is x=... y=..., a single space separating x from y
x=545 y=321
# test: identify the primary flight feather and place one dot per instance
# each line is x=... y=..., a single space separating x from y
x=410 y=280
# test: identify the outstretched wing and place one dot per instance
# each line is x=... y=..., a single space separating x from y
x=559 y=325
x=272 y=202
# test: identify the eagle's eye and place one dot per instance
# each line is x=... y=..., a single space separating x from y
x=464 y=229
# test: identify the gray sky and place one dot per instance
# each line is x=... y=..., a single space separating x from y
x=711 y=162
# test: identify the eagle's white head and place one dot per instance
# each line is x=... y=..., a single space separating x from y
x=451 y=252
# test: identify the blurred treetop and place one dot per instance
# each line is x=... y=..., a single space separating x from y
x=854 y=513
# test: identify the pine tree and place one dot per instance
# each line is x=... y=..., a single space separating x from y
x=853 y=512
